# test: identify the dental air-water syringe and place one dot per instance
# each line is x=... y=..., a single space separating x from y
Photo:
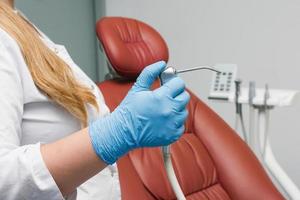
x=171 y=72
x=165 y=76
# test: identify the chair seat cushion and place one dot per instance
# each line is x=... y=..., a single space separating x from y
x=192 y=164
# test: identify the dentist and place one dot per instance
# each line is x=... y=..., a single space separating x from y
x=57 y=137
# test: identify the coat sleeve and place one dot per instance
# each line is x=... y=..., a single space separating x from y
x=23 y=173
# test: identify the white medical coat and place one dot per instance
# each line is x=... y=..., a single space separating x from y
x=29 y=118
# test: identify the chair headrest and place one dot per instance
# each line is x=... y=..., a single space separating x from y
x=130 y=45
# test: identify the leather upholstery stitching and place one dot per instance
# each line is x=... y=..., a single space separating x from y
x=206 y=181
x=139 y=29
x=203 y=190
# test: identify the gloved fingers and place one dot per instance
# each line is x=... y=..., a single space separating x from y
x=181 y=118
x=181 y=101
x=149 y=75
x=173 y=87
x=178 y=133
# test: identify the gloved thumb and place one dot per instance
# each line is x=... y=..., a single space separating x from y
x=149 y=75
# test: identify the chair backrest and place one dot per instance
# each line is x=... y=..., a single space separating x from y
x=130 y=45
x=210 y=160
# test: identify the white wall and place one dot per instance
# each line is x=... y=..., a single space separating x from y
x=261 y=36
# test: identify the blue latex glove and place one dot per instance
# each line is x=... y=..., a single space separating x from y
x=145 y=118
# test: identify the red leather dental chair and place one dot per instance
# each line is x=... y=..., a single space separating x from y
x=210 y=160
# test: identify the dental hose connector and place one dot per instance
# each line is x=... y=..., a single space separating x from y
x=238 y=83
x=252 y=92
x=166 y=150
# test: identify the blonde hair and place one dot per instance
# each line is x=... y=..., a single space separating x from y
x=49 y=72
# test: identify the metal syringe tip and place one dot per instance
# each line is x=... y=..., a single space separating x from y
x=197 y=68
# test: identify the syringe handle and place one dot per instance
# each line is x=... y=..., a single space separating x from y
x=164 y=77
x=167 y=75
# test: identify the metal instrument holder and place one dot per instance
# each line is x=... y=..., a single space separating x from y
x=262 y=103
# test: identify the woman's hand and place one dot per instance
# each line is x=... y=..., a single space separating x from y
x=145 y=118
